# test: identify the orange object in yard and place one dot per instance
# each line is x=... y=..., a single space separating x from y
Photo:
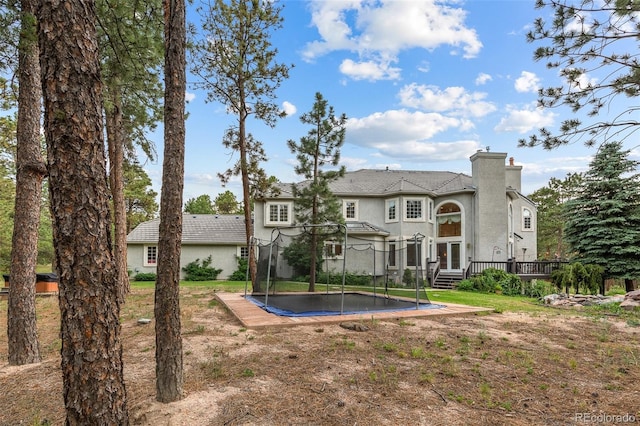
x=45 y=283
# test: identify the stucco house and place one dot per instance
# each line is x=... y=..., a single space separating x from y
x=220 y=236
x=406 y=218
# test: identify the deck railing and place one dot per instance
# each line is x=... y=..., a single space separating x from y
x=529 y=269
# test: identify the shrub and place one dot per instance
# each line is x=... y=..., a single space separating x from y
x=465 y=285
x=240 y=274
x=492 y=280
x=581 y=277
x=335 y=278
x=197 y=272
x=145 y=276
x=537 y=288
x=511 y=285
x=407 y=278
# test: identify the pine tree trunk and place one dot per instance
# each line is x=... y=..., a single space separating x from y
x=169 y=367
x=115 y=142
x=21 y=324
x=628 y=285
x=91 y=355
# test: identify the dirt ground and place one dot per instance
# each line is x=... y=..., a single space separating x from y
x=554 y=368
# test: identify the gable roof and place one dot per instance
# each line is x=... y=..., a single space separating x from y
x=370 y=182
x=196 y=229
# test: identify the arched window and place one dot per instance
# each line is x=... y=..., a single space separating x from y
x=449 y=220
x=527 y=219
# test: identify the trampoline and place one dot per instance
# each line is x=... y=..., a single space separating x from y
x=320 y=304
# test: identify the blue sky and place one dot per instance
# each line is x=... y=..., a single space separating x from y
x=424 y=84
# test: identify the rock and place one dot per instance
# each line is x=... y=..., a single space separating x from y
x=580 y=300
x=634 y=295
x=630 y=304
x=612 y=299
x=355 y=326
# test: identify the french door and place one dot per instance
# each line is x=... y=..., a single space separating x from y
x=450 y=256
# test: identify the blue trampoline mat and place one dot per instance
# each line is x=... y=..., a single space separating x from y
x=318 y=304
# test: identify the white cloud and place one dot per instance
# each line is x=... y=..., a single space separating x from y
x=188 y=96
x=455 y=100
x=525 y=120
x=579 y=24
x=369 y=70
x=289 y=108
x=527 y=82
x=579 y=82
x=429 y=151
x=353 y=163
x=536 y=175
x=483 y=78
x=424 y=66
x=404 y=134
x=378 y=31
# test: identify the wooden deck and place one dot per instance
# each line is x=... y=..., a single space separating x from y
x=253 y=317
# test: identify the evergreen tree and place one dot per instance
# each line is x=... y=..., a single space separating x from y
x=603 y=221
x=202 y=204
x=7 y=186
x=550 y=200
x=315 y=203
x=130 y=36
x=227 y=203
x=30 y=172
x=139 y=197
x=236 y=66
x=169 y=365
x=91 y=349
x=593 y=47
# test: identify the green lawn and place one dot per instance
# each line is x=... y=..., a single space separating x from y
x=498 y=302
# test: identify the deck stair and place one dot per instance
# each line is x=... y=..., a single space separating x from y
x=447 y=280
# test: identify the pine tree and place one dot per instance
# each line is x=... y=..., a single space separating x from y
x=603 y=221
x=91 y=352
x=593 y=46
x=30 y=173
x=315 y=203
x=236 y=65
x=202 y=204
x=169 y=366
x=550 y=201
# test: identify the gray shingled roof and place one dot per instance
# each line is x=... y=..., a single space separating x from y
x=364 y=228
x=197 y=229
x=369 y=182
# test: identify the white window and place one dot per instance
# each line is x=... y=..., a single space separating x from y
x=350 y=209
x=414 y=253
x=527 y=220
x=244 y=252
x=393 y=255
x=430 y=210
x=150 y=255
x=334 y=249
x=414 y=209
x=278 y=214
x=392 y=213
